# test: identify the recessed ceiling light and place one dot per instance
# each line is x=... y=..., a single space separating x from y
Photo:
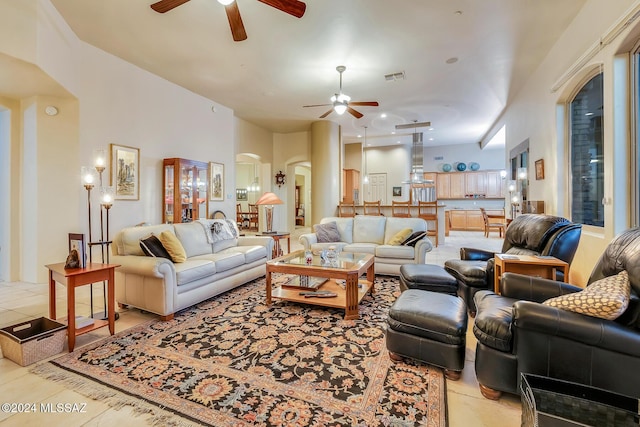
x=457 y=12
x=383 y=115
x=430 y=139
x=452 y=60
x=393 y=133
x=398 y=142
x=359 y=136
x=430 y=129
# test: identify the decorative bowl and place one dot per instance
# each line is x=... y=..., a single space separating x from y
x=446 y=167
x=474 y=166
x=461 y=167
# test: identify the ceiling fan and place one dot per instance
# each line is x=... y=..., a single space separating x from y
x=292 y=7
x=341 y=102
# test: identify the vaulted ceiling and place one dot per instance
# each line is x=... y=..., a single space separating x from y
x=463 y=60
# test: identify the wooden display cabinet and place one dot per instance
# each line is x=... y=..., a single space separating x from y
x=186 y=190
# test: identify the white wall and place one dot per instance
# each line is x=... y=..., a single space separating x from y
x=533 y=114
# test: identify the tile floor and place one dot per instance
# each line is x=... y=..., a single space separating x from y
x=23 y=301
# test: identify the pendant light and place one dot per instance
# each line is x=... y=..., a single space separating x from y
x=414 y=177
x=365 y=179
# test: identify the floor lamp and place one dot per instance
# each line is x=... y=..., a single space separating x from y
x=268 y=200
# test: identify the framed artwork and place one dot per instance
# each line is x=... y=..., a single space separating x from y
x=241 y=194
x=217 y=181
x=540 y=169
x=397 y=191
x=76 y=241
x=125 y=172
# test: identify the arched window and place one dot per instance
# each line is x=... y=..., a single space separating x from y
x=587 y=154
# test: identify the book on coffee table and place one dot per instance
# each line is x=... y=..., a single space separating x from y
x=290 y=281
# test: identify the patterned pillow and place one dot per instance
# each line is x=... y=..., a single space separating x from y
x=152 y=246
x=607 y=298
x=327 y=232
x=414 y=238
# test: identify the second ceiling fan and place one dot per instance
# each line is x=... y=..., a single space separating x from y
x=341 y=102
x=292 y=7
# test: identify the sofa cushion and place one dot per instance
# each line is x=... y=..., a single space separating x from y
x=251 y=253
x=193 y=237
x=393 y=225
x=345 y=227
x=327 y=232
x=492 y=325
x=129 y=241
x=414 y=238
x=369 y=229
x=607 y=298
x=392 y=251
x=173 y=246
x=152 y=246
x=194 y=269
x=228 y=259
x=400 y=237
x=361 y=248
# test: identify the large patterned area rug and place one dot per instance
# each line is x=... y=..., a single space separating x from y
x=233 y=360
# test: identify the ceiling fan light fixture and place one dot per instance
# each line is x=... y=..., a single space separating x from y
x=226 y=2
x=339 y=107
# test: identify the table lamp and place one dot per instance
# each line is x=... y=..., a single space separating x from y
x=268 y=200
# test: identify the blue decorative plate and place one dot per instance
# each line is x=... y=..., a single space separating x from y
x=446 y=167
x=474 y=166
x=461 y=167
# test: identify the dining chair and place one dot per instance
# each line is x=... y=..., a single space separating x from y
x=400 y=209
x=372 y=208
x=493 y=223
x=253 y=217
x=346 y=209
x=429 y=212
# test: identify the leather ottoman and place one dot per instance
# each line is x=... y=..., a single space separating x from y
x=427 y=277
x=429 y=327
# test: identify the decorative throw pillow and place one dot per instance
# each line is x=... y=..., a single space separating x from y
x=327 y=232
x=173 y=246
x=400 y=237
x=414 y=238
x=152 y=246
x=607 y=298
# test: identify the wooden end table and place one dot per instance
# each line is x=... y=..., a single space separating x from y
x=349 y=267
x=276 y=236
x=530 y=265
x=73 y=278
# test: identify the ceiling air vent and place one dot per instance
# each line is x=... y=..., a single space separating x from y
x=394 y=76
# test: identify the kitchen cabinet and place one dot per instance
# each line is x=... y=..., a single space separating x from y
x=469 y=219
x=351 y=186
x=494 y=185
x=466 y=185
x=457 y=186
x=475 y=183
x=443 y=185
x=186 y=190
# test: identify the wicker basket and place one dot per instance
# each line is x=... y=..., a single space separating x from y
x=549 y=402
x=31 y=341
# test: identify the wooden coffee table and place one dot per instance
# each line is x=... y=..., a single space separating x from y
x=348 y=267
x=540 y=266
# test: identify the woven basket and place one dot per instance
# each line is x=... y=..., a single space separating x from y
x=31 y=341
x=551 y=402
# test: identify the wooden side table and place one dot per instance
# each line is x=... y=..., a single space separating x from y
x=277 y=250
x=73 y=278
x=540 y=266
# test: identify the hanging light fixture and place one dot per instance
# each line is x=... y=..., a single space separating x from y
x=365 y=179
x=415 y=177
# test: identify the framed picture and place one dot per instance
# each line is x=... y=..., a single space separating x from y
x=76 y=241
x=397 y=191
x=241 y=194
x=125 y=172
x=217 y=180
x=540 y=169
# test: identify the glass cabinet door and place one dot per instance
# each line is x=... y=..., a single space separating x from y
x=186 y=190
x=168 y=194
x=201 y=189
x=186 y=173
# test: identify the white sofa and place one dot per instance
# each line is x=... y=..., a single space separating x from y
x=370 y=234
x=163 y=287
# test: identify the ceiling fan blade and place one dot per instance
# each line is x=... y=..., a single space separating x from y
x=292 y=7
x=166 y=5
x=235 y=22
x=317 y=105
x=364 y=104
x=326 y=114
x=353 y=112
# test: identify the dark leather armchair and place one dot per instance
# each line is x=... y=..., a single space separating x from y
x=517 y=334
x=529 y=234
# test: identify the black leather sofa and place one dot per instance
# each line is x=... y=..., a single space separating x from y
x=528 y=234
x=517 y=334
